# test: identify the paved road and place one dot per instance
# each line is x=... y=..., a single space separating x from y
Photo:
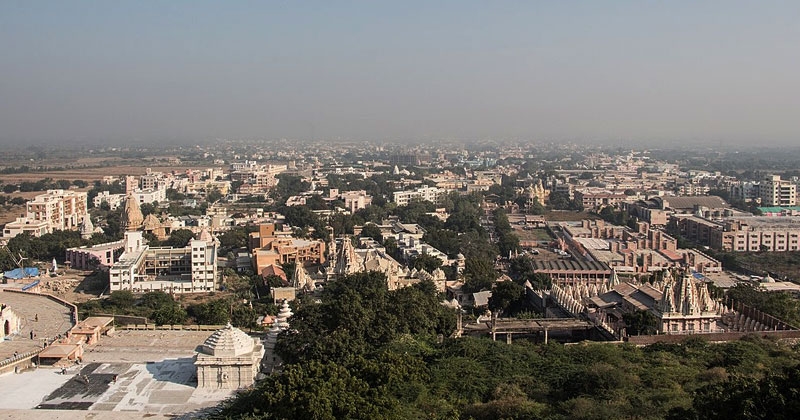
x=54 y=319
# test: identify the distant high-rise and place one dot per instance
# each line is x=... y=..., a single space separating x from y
x=404 y=159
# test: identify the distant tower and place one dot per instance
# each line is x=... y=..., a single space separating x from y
x=130 y=184
x=131 y=218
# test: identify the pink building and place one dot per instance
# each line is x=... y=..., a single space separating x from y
x=101 y=256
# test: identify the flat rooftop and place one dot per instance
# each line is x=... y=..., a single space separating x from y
x=156 y=378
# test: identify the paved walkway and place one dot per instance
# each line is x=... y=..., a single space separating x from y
x=54 y=319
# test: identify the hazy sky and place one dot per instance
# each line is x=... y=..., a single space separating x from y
x=721 y=71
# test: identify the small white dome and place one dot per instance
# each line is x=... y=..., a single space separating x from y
x=228 y=341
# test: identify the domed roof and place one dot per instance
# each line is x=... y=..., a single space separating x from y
x=228 y=341
x=151 y=222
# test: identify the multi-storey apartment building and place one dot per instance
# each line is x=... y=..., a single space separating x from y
x=432 y=194
x=53 y=210
x=778 y=192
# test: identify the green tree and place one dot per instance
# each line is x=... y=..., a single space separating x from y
x=213 y=196
x=156 y=299
x=169 y=314
x=559 y=200
x=505 y=294
x=315 y=390
x=122 y=299
x=147 y=209
x=479 y=274
x=426 y=262
x=371 y=230
x=641 y=322
x=213 y=312
x=179 y=238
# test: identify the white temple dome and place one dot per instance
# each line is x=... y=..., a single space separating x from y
x=228 y=341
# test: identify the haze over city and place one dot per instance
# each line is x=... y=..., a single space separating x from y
x=585 y=72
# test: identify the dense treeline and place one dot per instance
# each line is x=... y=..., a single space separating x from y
x=507 y=240
x=44 y=185
x=368 y=353
x=162 y=309
x=45 y=247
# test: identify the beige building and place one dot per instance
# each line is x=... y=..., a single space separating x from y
x=53 y=210
x=24 y=225
x=270 y=247
x=778 y=192
x=598 y=198
x=742 y=234
x=356 y=200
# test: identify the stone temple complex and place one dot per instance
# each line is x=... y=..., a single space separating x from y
x=228 y=359
x=345 y=259
x=680 y=303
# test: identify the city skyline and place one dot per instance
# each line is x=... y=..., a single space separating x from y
x=716 y=73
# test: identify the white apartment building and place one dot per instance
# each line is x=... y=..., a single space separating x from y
x=157 y=195
x=23 y=225
x=778 y=192
x=53 y=210
x=141 y=268
x=432 y=194
x=113 y=200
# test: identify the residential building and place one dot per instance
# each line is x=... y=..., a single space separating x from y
x=113 y=200
x=100 y=256
x=356 y=200
x=271 y=247
x=24 y=225
x=53 y=210
x=778 y=192
x=432 y=194
x=598 y=198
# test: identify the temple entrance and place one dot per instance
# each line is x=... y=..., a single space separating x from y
x=6 y=328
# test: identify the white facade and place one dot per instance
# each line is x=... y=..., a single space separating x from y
x=432 y=194
x=113 y=200
x=174 y=270
x=23 y=225
x=151 y=195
